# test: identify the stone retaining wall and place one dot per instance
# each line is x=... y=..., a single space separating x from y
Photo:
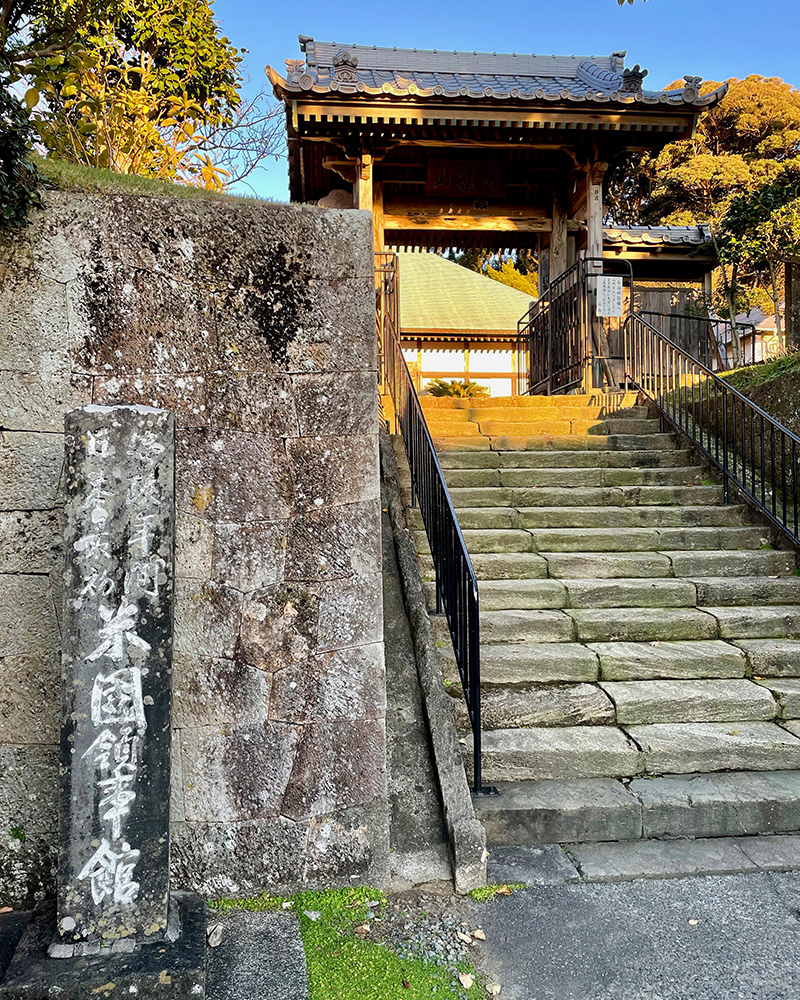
x=255 y=325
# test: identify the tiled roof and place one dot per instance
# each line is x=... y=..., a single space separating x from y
x=654 y=235
x=330 y=67
x=438 y=294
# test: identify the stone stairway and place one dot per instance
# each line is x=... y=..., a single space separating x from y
x=640 y=671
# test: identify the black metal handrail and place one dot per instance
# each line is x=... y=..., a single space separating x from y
x=561 y=335
x=755 y=453
x=456 y=582
x=710 y=339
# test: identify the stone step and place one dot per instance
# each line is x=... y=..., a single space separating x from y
x=588 y=541
x=496 y=566
x=786 y=692
x=593 y=517
x=741 y=803
x=607 y=565
x=652 y=701
x=688 y=476
x=515 y=414
x=642 y=624
x=568 y=752
x=480 y=540
x=626 y=861
x=581 y=442
x=526 y=626
x=585 y=540
x=564 y=459
x=509 y=566
x=599 y=400
x=628 y=661
x=771 y=657
x=773 y=622
x=624 y=517
x=598 y=496
x=459 y=442
x=458 y=429
x=548 y=705
x=719 y=805
x=499 y=595
x=561 y=477
x=721 y=591
x=681 y=748
x=558 y=811
x=520 y=664
x=764 y=562
x=653 y=592
x=563 y=423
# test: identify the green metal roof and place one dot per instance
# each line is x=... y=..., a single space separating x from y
x=440 y=296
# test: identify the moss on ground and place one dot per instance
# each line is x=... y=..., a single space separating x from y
x=344 y=964
x=62 y=176
x=484 y=893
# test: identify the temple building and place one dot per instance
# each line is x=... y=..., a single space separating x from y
x=492 y=151
x=474 y=149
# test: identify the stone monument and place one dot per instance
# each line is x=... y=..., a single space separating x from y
x=115 y=925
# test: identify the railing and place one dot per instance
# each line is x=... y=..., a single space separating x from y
x=456 y=583
x=551 y=336
x=756 y=454
x=707 y=339
x=561 y=337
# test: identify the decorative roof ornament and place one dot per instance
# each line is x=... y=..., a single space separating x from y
x=344 y=67
x=692 y=89
x=294 y=70
x=632 y=79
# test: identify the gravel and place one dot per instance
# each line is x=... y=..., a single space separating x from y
x=426 y=927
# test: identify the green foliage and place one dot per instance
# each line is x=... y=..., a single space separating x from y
x=485 y=893
x=136 y=90
x=753 y=376
x=737 y=147
x=18 y=834
x=439 y=387
x=344 y=964
x=19 y=178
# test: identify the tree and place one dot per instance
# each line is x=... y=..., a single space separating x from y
x=518 y=271
x=137 y=88
x=762 y=229
x=740 y=146
x=32 y=32
x=508 y=274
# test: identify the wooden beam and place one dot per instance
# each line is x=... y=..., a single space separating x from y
x=382 y=114
x=437 y=208
x=448 y=223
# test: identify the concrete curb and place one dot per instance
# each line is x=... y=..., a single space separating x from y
x=466 y=834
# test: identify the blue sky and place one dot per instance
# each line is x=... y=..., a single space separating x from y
x=714 y=39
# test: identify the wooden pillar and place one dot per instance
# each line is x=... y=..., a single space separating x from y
x=558 y=240
x=594 y=212
x=544 y=266
x=514 y=372
x=594 y=248
x=377 y=215
x=362 y=190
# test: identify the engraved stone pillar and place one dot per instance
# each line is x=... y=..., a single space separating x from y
x=113 y=876
x=115 y=929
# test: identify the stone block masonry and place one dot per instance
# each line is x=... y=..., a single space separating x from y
x=254 y=325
